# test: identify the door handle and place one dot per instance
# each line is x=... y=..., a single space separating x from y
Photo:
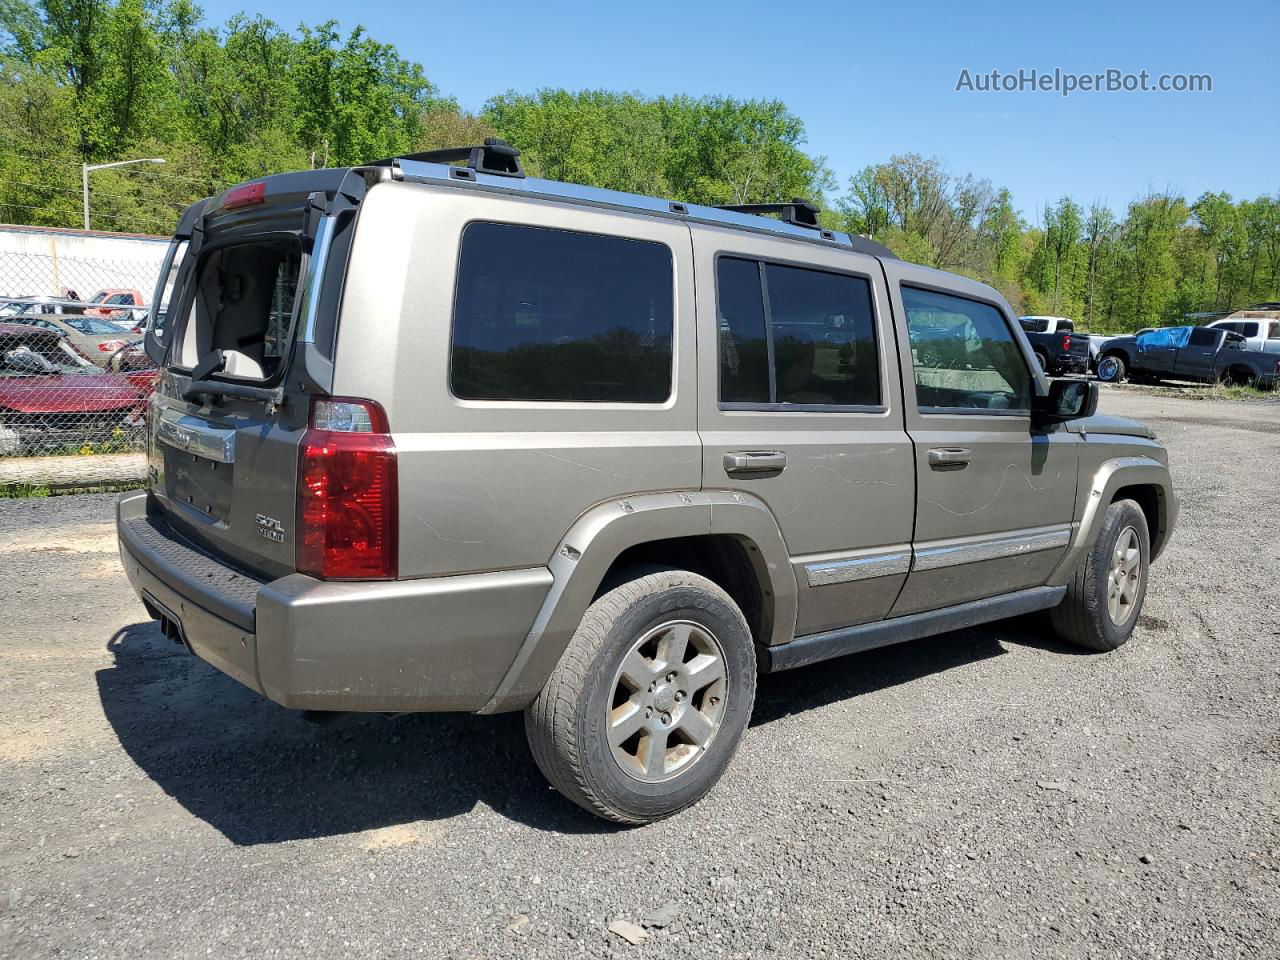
x=746 y=463
x=940 y=457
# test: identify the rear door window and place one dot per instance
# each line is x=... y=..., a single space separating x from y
x=543 y=314
x=795 y=336
x=1203 y=337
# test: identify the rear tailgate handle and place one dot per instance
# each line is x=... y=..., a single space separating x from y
x=753 y=463
x=940 y=457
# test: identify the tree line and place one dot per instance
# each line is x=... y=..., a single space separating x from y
x=90 y=81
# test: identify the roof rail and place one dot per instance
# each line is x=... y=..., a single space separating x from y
x=799 y=211
x=495 y=157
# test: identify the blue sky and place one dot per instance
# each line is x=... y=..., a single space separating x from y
x=871 y=80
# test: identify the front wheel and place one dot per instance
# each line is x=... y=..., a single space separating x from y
x=645 y=709
x=1104 y=597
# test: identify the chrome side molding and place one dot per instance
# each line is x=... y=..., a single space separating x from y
x=866 y=567
x=991 y=548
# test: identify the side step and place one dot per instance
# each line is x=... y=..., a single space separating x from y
x=817 y=647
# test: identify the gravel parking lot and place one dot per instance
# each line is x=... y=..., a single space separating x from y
x=987 y=793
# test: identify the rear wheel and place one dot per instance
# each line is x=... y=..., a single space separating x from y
x=1043 y=361
x=1111 y=369
x=645 y=709
x=1105 y=595
x=1238 y=377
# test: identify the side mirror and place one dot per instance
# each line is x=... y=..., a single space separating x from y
x=1067 y=400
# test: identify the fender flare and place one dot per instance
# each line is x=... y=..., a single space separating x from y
x=1111 y=476
x=600 y=535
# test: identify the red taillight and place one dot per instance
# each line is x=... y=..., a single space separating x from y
x=347 y=493
x=245 y=196
x=1066 y=343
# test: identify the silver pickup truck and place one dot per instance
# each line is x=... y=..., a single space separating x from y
x=433 y=435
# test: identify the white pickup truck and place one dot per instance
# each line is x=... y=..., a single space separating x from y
x=1259 y=327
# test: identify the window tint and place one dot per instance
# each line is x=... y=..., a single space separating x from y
x=823 y=329
x=1034 y=324
x=1249 y=329
x=964 y=354
x=824 y=346
x=554 y=315
x=1203 y=337
x=1233 y=327
x=744 y=352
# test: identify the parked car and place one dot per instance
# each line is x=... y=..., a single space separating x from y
x=602 y=458
x=1204 y=354
x=1260 y=328
x=51 y=395
x=1057 y=348
x=132 y=363
x=97 y=339
x=113 y=303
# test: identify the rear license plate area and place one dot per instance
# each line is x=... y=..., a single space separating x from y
x=203 y=486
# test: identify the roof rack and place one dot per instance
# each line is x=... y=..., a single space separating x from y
x=799 y=211
x=495 y=157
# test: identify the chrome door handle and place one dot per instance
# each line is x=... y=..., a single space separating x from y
x=748 y=463
x=948 y=457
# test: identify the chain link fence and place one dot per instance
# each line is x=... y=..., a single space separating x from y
x=74 y=379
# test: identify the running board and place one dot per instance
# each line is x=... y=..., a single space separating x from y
x=817 y=647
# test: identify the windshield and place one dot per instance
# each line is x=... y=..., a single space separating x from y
x=91 y=325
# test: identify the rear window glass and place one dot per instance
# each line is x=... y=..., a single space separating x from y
x=243 y=305
x=820 y=326
x=547 y=314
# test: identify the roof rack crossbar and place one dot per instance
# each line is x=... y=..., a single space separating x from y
x=799 y=211
x=495 y=156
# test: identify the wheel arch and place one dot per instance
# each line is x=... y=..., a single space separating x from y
x=1142 y=479
x=732 y=535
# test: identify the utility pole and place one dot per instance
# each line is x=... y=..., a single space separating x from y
x=84 y=177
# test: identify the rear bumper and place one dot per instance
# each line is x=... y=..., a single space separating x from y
x=443 y=643
x=1071 y=363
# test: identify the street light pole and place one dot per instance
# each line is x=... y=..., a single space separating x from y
x=84 y=177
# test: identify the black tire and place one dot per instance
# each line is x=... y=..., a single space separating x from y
x=1044 y=362
x=1111 y=368
x=1238 y=377
x=1083 y=617
x=567 y=725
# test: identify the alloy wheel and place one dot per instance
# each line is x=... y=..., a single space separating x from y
x=1125 y=577
x=668 y=701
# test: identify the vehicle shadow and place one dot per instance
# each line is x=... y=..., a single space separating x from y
x=259 y=773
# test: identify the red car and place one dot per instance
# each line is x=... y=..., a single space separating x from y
x=52 y=397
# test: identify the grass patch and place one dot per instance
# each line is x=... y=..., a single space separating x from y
x=1206 y=391
x=35 y=491
x=23 y=491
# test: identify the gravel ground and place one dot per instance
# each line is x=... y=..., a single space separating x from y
x=987 y=793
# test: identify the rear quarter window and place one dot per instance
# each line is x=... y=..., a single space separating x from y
x=544 y=314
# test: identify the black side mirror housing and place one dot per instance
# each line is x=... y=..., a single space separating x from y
x=1066 y=400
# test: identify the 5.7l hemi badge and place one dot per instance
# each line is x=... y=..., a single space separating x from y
x=269 y=528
